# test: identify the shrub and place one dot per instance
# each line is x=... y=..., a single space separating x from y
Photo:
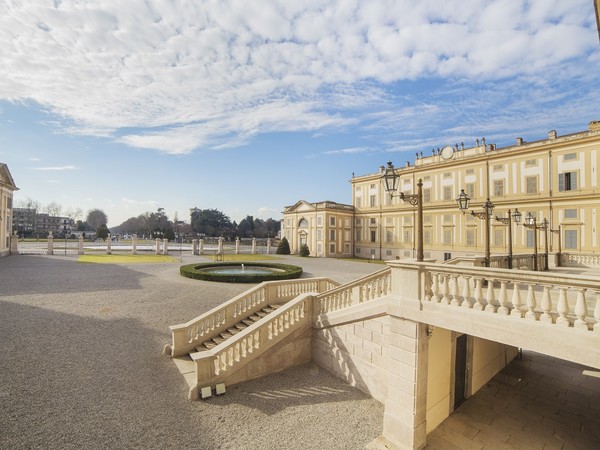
x=283 y=248
x=304 y=251
x=282 y=272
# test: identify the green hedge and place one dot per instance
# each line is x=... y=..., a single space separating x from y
x=288 y=272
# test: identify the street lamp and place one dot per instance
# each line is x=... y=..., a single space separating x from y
x=531 y=223
x=463 y=201
x=558 y=231
x=516 y=216
x=391 y=179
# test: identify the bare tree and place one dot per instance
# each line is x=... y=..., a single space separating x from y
x=53 y=209
x=96 y=218
x=74 y=214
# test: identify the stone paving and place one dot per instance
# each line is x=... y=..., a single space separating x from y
x=81 y=367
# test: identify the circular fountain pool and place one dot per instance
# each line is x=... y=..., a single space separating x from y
x=243 y=272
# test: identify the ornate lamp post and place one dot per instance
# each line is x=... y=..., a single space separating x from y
x=544 y=225
x=531 y=223
x=391 y=180
x=558 y=231
x=463 y=201
x=516 y=216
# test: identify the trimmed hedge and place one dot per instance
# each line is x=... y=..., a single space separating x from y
x=287 y=272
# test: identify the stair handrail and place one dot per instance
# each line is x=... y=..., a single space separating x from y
x=186 y=336
x=364 y=289
x=212 y=366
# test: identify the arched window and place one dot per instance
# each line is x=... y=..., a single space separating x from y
x=303 y=223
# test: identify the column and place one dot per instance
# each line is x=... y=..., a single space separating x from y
x=220 y=246
x=165 y=246
x=268 y=246
x=194 y=246
x=157 y=246
x=201 y=245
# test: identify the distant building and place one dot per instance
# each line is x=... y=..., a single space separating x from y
x=325 y=227
x=29 y=222
x=7 y=187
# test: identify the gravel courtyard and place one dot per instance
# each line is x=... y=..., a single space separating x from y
x=81 y=365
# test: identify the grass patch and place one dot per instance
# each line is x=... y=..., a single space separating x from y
x=126 y=259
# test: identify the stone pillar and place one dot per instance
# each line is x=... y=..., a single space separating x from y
x=80 y=245
x=404 y=418
x=14 y=244
x=220 y=246
x=50 y=244
x=157 y=246
x=237 y=246
x=194 y=246
x=134 y=244
x=268 y=246
x=109 y=244
x=254 y=246
x=201 y=247
x=165 y=246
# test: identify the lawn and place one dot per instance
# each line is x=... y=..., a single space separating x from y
x=126 y=259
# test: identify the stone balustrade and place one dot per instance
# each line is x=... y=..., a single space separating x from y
x=364 y=289
x=215 y=365
x=572 y=259
x=567 y=301
x=186 y=336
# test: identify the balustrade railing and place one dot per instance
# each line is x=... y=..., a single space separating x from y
x=571 y=259
x=362 y=290
x=214 y=365
x=186 y=336
x=572 y=301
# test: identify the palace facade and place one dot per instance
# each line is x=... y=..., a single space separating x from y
x=554 y=179
x=7 y=187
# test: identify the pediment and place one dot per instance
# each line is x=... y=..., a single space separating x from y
x=300 y=206
x=6 y=178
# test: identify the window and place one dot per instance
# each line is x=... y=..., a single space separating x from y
x=427 y=218
x=407 y=220
x=569 y=156
x=470 y=190
x=303 y=224
x=426 y=178
x=448 y=175
x=357 y=222
x=426 y=195
x=319 y=235
x=498 y=167
x=372 y=186
x=388 y=253
x=448 y=236
x=372 y=201
x=448 y=193
x=358 y=235
x=427 y=237
x=530 y=238
x=447 y=218
x=499 y=237
x=570 y=214
x=531 y=162
x=532 y=185
x=570 y=238
x=567 y=181
x=470 y=171
x=470 y=238
x=499 y=188
x=332 y=235
x=373 y=221
x=407 y=236
x=389 y=236
x=347 y=223
x=331 y=248
x=373 y=236
x=357 y=202
x=332 y=221
x=319 y=221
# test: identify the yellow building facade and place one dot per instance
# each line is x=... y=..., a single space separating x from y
x=554 y=179
x=325 y=227
x=7 y=187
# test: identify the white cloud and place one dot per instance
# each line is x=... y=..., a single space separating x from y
x=56 y=168
x=185 y=75
x=348 y=151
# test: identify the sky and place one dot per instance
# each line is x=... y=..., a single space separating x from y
x=248 y=107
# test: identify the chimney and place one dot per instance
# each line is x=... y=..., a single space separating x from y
x=552 y=134
x=594 y=125
x=519 y=141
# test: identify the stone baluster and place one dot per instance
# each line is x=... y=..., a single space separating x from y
x=201 y=247
x=456 y=300
x=109 y=244
x=581 y=310
x=428 y=289
x=237 y=245
x=478 y=305
x=134 y=244
x=268 y=246
x=596 y=327
x=435 y=288
x=546 y=305
x=562 y=307
x=165 y=246
x=254 y=246
x=157 y=246
x=531 y=304
x=467 y=301
x=446 y=289
x=490 y=297
x=516 y=302
x=194 y=246
x=80 y=245
x=503 y=299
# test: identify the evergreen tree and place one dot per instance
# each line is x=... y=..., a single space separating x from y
x=283 y=248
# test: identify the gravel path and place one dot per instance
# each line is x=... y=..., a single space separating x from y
x=81 y=366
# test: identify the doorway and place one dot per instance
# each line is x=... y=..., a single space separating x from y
x=460 y=370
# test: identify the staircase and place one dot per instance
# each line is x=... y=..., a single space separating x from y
x=236 y=328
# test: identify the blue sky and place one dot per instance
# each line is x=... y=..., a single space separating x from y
x=251 y=106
